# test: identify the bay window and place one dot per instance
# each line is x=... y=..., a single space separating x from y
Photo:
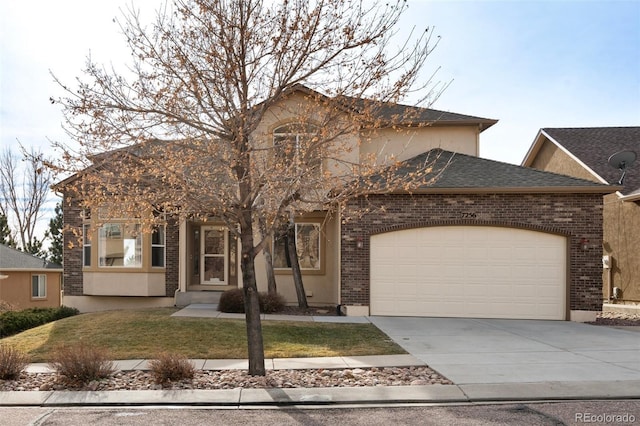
x=119 y=245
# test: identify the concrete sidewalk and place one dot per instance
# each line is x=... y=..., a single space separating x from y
x=489 y=360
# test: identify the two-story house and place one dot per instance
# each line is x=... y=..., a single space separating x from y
x=481 y=239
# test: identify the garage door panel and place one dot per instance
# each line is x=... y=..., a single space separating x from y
x=466 y=271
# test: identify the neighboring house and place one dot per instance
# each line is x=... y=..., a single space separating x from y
x=27 y=281
x=487 y=239
x=583 y=153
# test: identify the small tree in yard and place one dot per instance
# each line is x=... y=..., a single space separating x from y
x=185 y=126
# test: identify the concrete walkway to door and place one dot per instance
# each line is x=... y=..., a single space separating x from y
x=494 y=351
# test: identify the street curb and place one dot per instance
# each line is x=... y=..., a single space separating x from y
x=282 y=397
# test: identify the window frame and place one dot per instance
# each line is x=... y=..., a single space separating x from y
x=158 y=245
x=320 y=270
x=86 y=245
x=108 y=231
x=288 y=132
x=42 y=285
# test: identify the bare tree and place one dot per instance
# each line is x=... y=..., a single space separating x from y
x=195 y=113
x=24 y=191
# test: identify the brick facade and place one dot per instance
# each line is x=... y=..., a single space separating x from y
x=172 y=256
x=72 y=247
x=575 y=216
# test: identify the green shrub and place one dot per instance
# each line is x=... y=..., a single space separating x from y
x=171 y=368
x=80 y=364
x=13 y=322
x=12 y=362
x=232 y=301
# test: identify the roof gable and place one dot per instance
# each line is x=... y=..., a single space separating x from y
x=591 y=147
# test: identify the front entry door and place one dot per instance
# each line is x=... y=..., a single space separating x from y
x=214 y=265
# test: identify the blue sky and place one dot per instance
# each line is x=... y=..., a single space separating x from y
x=530 y=64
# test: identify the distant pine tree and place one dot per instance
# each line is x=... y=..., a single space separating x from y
x=55 y=234
x=5 y=232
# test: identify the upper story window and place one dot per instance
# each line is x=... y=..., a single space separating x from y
x=119 y=245
x=294 y=145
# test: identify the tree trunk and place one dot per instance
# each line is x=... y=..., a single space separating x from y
x=295 y=265
x=272 y=287
x=251 y=304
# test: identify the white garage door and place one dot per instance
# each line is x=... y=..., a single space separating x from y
x=469 y=271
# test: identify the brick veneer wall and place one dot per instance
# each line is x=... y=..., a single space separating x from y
x=72 y=247
x=72 y=251
x=576 y=216
x=172 y=256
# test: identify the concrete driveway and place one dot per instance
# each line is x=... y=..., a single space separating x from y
x=474 y=351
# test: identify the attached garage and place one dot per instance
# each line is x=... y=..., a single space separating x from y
x=469 y=271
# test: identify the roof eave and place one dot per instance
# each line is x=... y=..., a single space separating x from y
x=515 y=190
x=482 y=124
x=630 y=197
x=31 y=270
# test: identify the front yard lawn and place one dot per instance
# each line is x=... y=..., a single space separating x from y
x=134 y=334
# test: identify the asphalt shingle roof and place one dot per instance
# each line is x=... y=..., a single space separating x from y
x=412 y=115
x=594 y=145
x=15 y=259
x=460 y=171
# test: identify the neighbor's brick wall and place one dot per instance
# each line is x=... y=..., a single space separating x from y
x=172 y=256
x=576 y=216
x=72 y=247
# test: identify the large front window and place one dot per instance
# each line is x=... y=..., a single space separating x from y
x=308 y=245
x=120 y=245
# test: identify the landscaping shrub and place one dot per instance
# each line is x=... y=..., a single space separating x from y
x=80 y=364
x=270 y=303
x=12 y=362
x=171 y=368
x=13 y=322
x=232 y=301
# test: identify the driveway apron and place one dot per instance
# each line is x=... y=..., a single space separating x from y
x=473 y=351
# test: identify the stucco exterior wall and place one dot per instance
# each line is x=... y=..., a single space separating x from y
x=321 y=288
x=621 y=236
x=16 y=289
x=405 y=143
x=550 y=158
x=576 y=216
